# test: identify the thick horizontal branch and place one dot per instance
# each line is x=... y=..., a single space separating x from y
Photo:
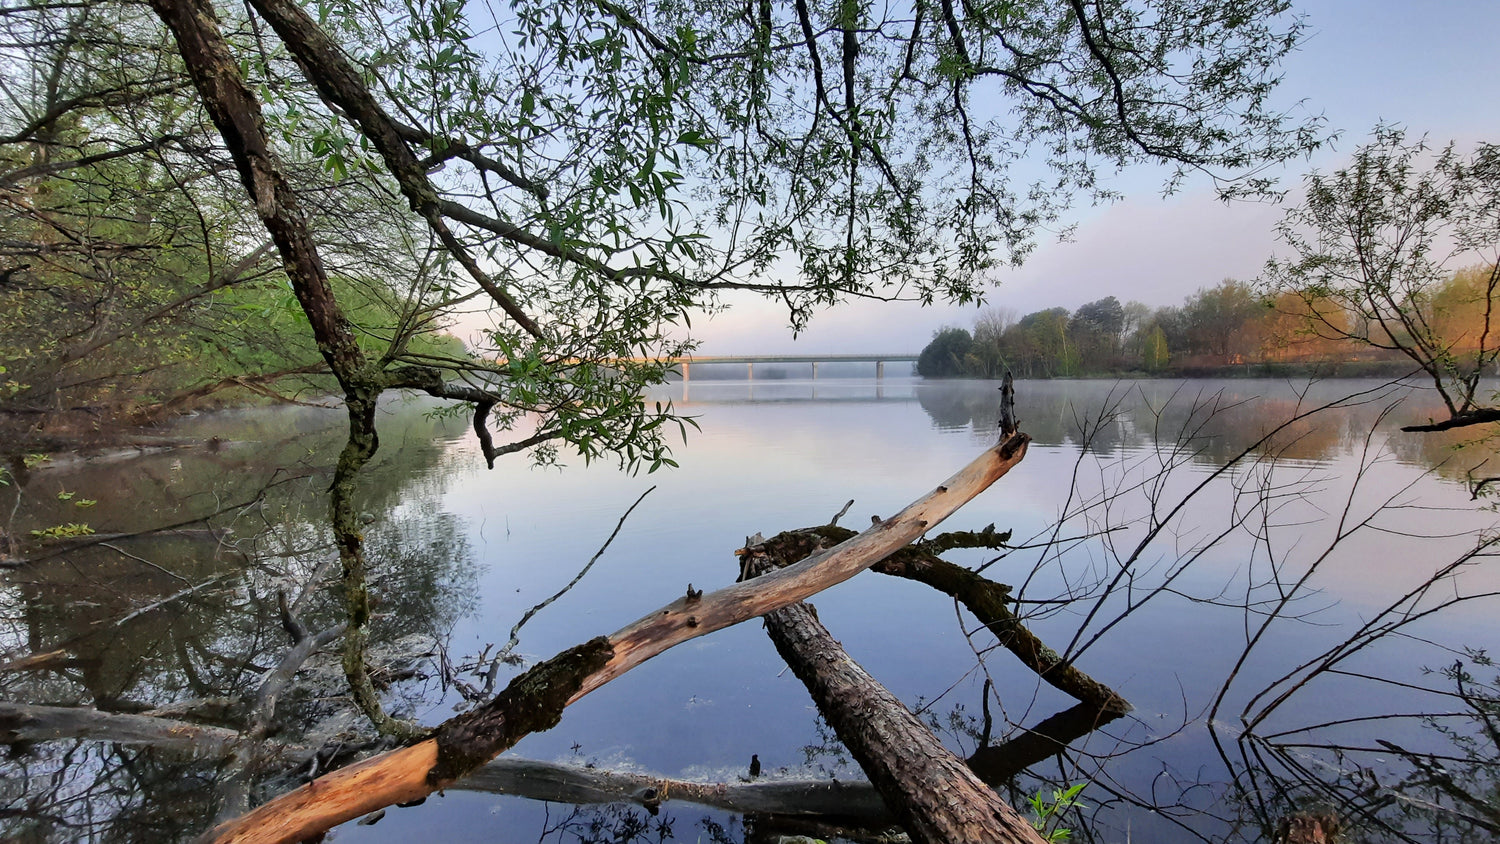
x=1001 y=762
x=850 y=801
x=430 y=380
x=580 y=786
x=25 y=723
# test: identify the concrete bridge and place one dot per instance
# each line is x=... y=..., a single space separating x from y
x=685 y=365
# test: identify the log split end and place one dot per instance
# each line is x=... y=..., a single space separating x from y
x=1011 y=445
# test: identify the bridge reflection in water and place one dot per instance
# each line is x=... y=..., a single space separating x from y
x=778 y=390
x=685 y=365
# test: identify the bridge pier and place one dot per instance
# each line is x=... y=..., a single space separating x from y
x=879 y=369
x=815 y=370
x=749 y=371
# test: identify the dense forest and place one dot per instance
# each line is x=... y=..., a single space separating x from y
x=1230 y=328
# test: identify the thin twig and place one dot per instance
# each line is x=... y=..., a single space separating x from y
x=515 y=632
x=142 y=560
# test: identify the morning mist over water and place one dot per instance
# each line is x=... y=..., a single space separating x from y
x=1273 y=635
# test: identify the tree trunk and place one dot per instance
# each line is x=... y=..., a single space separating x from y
x=236 y=113
x=932 y=792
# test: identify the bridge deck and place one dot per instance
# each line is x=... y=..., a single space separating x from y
x=684 y=365
x=789 y=358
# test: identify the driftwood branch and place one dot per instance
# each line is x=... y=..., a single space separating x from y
x=534 y=701
x=857 y=801
x=987 y=600
x=1008 y=420
x=1462 y=419
x=936 y=797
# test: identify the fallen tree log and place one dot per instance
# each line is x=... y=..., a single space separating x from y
x=555 y=783
x=535 y=700
x=854 y=801
x=984 y=598
x=785 y=805
x=934 y=795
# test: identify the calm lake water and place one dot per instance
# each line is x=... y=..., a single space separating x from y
x=1250 y=573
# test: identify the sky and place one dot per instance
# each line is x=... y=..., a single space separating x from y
x=1425 y=66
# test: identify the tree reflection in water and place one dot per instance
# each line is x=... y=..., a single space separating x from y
x=1304 y=509
x=1153 y=535
x=187 y=623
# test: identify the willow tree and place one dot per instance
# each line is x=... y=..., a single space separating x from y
x=599 y=172
x=132 y=279
x=1400 y=251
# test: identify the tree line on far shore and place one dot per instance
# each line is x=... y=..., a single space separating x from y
x=1217 y=330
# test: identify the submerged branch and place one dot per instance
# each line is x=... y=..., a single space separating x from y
x=986 y=599
x=555 y=783
x=21 y=723
x=937 y=798
x=534 y=701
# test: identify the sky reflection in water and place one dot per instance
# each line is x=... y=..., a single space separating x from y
x=467 y=551
x=773 y=455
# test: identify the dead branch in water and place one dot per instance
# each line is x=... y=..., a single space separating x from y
x=937 y=798
x=534 y=701
x=984 y=598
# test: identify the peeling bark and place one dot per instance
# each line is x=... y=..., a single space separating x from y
x=934 y=795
